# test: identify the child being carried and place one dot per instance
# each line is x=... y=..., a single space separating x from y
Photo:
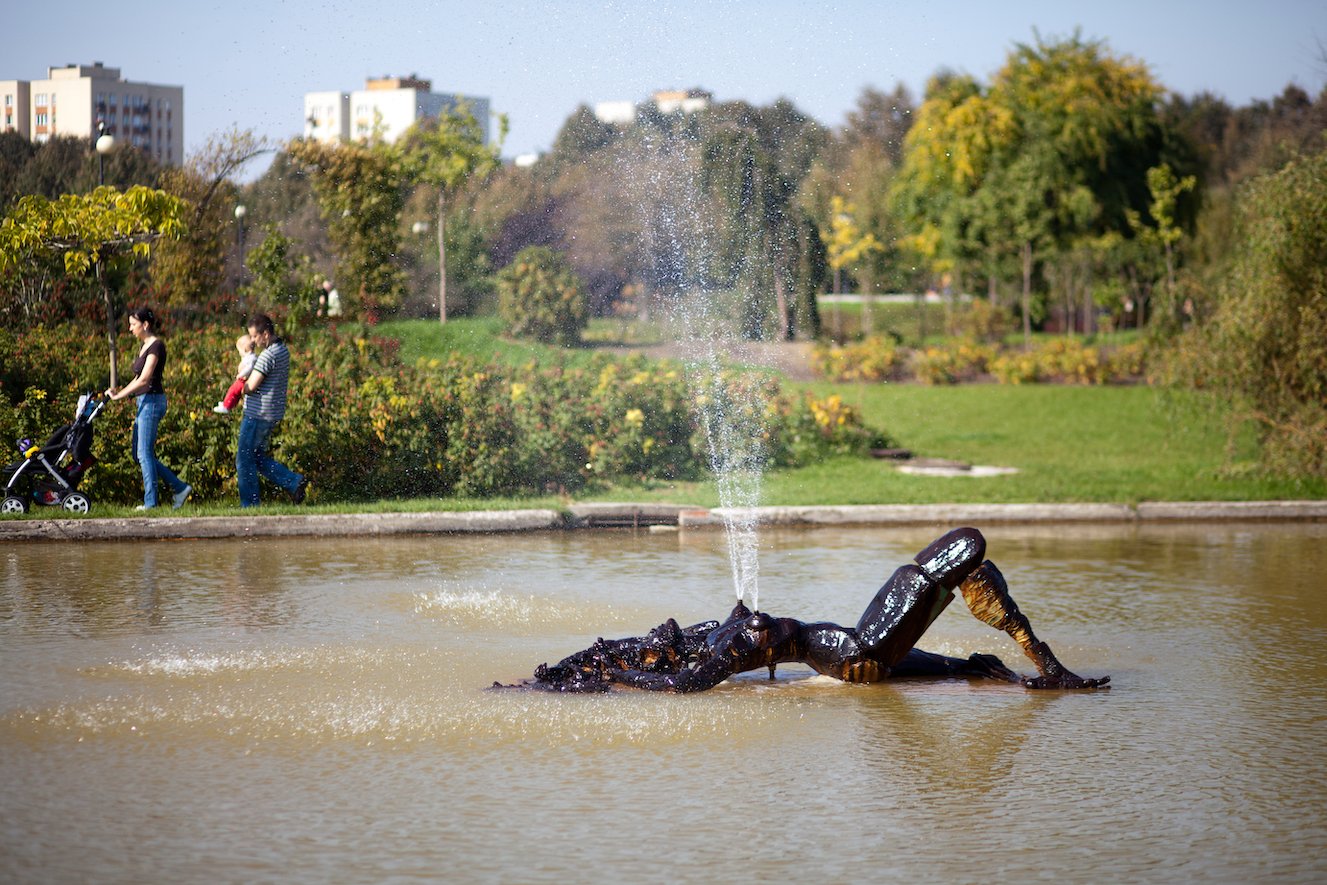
x=245 y=346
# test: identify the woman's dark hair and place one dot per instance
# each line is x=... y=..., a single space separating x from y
x=145 y=316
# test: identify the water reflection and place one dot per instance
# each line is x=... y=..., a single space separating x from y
x=215 y=694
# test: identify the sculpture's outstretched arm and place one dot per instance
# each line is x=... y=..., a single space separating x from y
x=988 y=598
x=699 y=678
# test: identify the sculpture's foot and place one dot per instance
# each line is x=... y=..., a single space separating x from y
x=1053 y=674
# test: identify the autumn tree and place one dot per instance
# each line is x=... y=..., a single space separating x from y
x=90 y=234
x=1057 y=148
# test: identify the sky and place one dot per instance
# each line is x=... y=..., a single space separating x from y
x=248 y=63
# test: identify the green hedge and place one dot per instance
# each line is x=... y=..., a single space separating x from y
x=365 y=426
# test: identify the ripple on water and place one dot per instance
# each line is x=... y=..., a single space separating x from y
x=297 y=696
x=472 y=609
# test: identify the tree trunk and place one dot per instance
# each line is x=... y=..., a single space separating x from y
x=110 y=324
x=1027 y=293
x=781 y=306
x=442 y=255
x=838 y=283
x=1089 y=315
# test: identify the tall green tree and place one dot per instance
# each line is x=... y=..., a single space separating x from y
x=444 y=153
x=1058 y=146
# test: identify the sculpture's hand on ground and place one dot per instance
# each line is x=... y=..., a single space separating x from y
x=1065 y=679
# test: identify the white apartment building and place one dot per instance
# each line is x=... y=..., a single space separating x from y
x=74 y=99
x=386 y=107
x=668 y=101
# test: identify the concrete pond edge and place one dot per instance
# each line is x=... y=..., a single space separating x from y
x=648 y=516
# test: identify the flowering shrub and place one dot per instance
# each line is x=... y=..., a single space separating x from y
x=875 y=358
x=364 y=426
x=951 y=362
x=1070 y=361
x=1061 y=360
x=1125 y=363
x=1017 y=367
x=540 y=297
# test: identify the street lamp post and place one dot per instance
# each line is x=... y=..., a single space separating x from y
x=105 y=141
x=240 y=212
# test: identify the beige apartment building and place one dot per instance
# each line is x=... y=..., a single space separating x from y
x=75 y=99
x=385 y=108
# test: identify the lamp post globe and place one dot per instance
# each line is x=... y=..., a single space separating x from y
x=105 y=141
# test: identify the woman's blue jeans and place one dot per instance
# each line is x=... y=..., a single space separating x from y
x=253 y=457
x=151 y=409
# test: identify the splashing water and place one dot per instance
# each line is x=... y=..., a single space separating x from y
x=730 y=413
x=732 y=417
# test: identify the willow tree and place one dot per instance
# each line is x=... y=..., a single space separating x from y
x=445 y=152
x=90 y=234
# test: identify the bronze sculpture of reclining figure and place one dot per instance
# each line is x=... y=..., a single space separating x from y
x=696 y=658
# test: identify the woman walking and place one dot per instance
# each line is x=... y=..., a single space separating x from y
x=148 y=370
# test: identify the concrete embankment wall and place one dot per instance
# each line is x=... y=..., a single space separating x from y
x=609 y=515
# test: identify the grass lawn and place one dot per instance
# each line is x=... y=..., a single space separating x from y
x=1069 y=443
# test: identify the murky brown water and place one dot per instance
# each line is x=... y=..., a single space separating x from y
x=313 y=711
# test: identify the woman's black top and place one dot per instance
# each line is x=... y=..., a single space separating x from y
x=154 y=383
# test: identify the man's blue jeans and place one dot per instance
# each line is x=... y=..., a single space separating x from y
x=151 y=409
x=254 y=458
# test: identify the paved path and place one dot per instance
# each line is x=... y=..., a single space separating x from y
x=642 y=516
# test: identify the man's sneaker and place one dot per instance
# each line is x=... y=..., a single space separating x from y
x=298 y=495
x=141 y=507
x=181 y=496
x=220 y=409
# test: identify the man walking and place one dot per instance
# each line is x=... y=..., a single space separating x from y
x=264 y=407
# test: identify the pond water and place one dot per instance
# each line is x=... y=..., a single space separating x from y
x=312 y=711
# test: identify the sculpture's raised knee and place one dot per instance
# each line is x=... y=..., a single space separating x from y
x=952 y=557
x=900 y=613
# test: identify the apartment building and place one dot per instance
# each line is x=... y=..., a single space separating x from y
x=667 y=101
x=385 y=108
x=76 y=99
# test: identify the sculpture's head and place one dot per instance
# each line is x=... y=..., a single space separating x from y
x=768 y=632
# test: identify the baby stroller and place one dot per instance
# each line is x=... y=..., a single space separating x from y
x=49 y=475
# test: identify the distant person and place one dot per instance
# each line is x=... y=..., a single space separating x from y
x=264 y=407
x=329 y=302
x=244 y=344
x=146 y=386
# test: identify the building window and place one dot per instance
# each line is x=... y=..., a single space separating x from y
x=41 y=119
x=9 y=101
x=40 y=99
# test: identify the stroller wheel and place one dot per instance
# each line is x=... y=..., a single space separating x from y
x=75 y=502
x=12 y=504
